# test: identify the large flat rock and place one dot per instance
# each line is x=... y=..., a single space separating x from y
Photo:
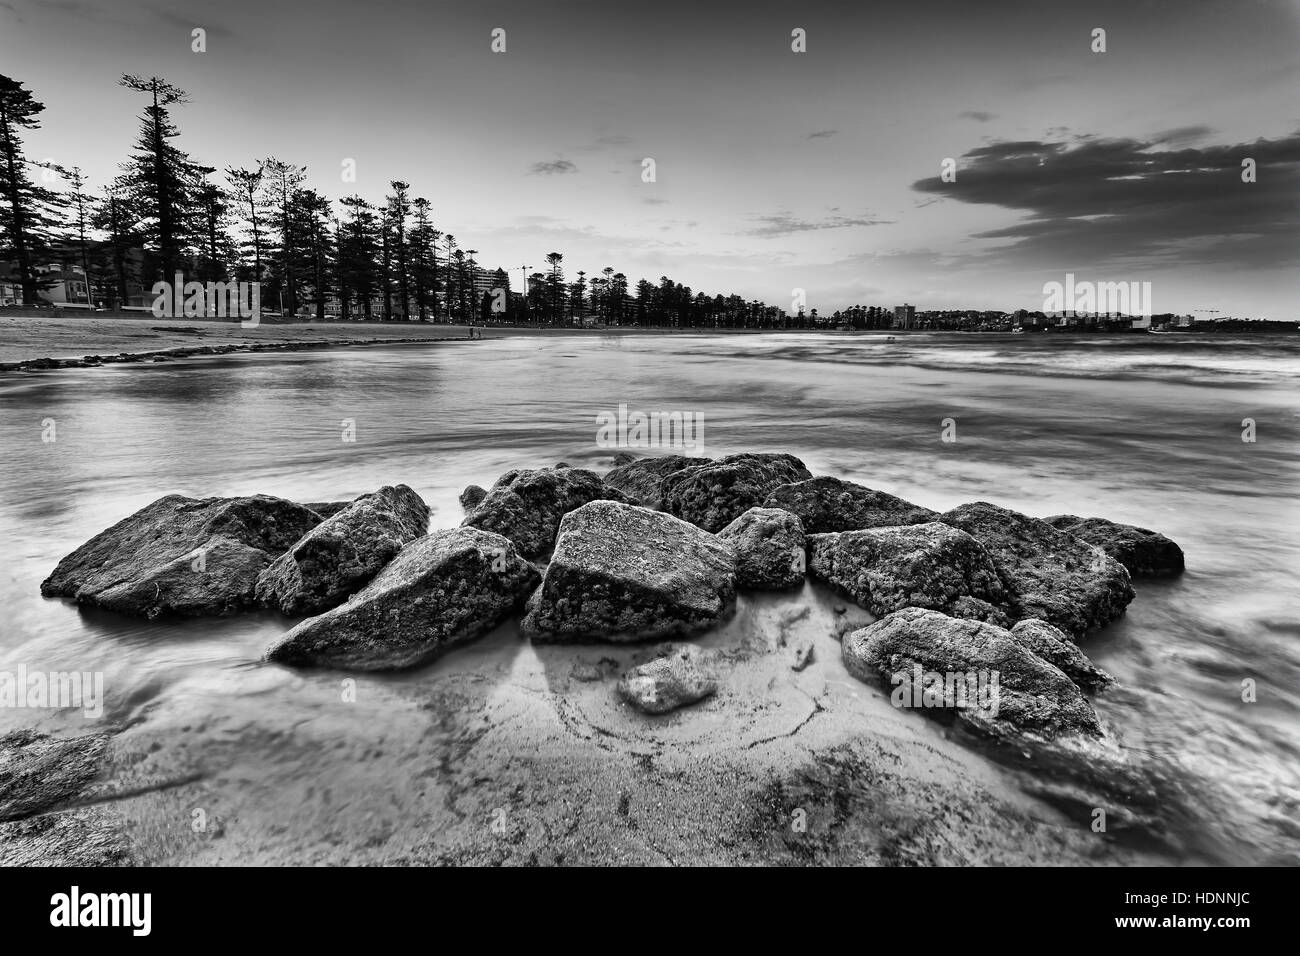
x=526 y=505
x=342 y=553
x=715 y=494
x=918 y=654
x=184 y=556
x=446 y=588
x=1049 y=574
x=923 y=565
x=625 y=573
x=827 y=504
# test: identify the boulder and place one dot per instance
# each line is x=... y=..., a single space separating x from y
x=443 y=589
x=526 y=505
x=1054 y=646
x=624 y=573
x=923 y=565
x=183 y=556
x=341 y=554
x=471 y=496
x=770 y=549
x=974 y=672
x=827 y=504
x=641 y=480
x=668 y=682
x=714 y=494
x=1145 y=553
x=1048 y=574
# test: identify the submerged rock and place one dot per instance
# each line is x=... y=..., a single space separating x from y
x=714 y=494
x=50 y=813
x=976 y=672
x=184 y=556
x=770 y=549
x=625 y=573
x=1054 y=646
x=641 y=480
x=471 y=496
x=526 y=505
x=922 y=565
x=40 y=773
x=1049 y=574
x=1145 y=553
x=668 y=682
x=443 y=589
x=342 y=553
x=826 y=504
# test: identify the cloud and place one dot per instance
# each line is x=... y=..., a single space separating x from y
x=978 y=116
x=823 y=134
x=552 y=167
x=786 y=225
x=608 y=141
x=655 y=202
x=1182 y=135
x=1102 y=200
x=189 y=23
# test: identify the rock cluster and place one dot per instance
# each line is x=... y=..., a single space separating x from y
x=655 y=550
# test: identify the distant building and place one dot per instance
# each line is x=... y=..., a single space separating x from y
x=904 y=316
x=67 y=285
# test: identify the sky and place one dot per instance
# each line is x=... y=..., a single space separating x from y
x=775 y=170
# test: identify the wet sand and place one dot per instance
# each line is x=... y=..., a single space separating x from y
x=503 y=753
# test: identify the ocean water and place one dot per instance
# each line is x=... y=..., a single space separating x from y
x=1140 y=429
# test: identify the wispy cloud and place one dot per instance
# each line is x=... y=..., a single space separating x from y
x=552 y=167
x=189 y=23
x=785 y=225
x=979 y=116
x=823 y=134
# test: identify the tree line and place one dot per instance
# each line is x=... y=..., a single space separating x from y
x=164 y=212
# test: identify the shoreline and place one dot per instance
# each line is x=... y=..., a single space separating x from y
x=96 y=337
x=202 y=351
x=225 y=337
